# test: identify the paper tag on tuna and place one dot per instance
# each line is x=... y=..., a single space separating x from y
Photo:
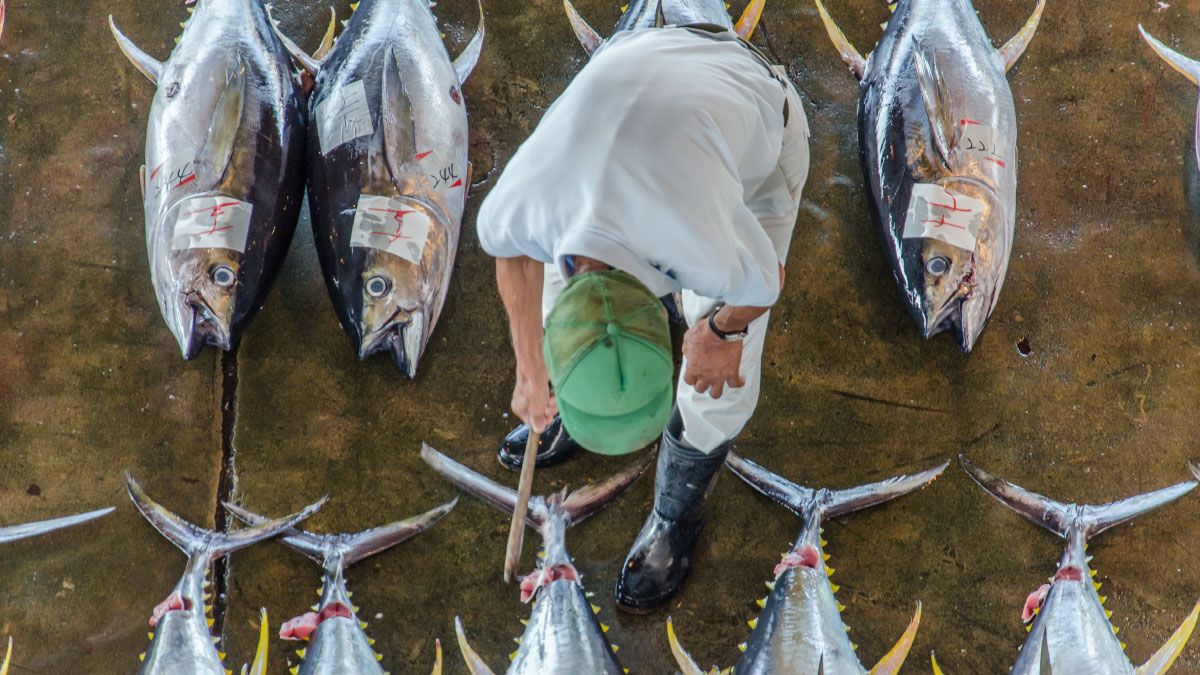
x=391 y=225
x=441 y=169
x=937 y=213
x=982 y=141
x=212 y=222
x=343 y=116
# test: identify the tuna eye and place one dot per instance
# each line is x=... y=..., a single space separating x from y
x=937 y=266
x=222 y=275
x=377 y=286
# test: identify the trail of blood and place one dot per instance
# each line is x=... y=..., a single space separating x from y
x=398 y=215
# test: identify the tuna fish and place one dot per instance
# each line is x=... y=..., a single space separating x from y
x=388 y=173
x=1186 y=66
x=562 y=636
x=937 y=134
x=640 y=14
x=337 y=643
x=223 y=177
x=15 y=532
x=1072 y=633
x=181 y=643
x=800 y=629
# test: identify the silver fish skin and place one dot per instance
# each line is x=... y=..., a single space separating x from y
x=338 y=645
x=563 y=636
x=182 y=643
x=387 y=153
x=641 y=14
x=224 y=176
x=937 y=144
x=1071 y=633
x=800 y=629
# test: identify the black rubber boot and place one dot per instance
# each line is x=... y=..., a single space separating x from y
x=659 y=559
x=554 y=447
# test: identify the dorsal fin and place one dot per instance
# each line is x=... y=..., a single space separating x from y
x=685 y=661
x=891 y=662
x=1188 y=67
x=395 y=117
x=933 y=660
x=146 y=64
x=589 y=38
x=222 y=131
x=327 y=39
x=465 y=63
x=858 y=65
x=474 y=663
x=308 y=63
x=259 y=667
x=749 y=19
x=937 y=104
x=1014 y=48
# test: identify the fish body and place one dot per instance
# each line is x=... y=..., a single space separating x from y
x=182 y=643
x=1071 y=633
x=937 y=143
x=337 y=643
x=563 y=636
x=388 y=174
x=800 y=629
x=224 y=176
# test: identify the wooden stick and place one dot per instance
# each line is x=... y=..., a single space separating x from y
x=516 y=532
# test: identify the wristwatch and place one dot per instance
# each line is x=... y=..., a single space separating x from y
x=735 y=336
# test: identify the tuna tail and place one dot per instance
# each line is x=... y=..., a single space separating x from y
x=831 y=503
x=146 y=64
x=1060 y=518
x=574 y=509
x=15 y=532
x=474 y=663
x=193 y=540
x=465 y=63
x=353 y=547
x=588 y=37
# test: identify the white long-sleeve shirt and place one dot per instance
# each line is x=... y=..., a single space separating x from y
x=662 y=159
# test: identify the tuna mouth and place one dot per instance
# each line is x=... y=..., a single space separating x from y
x=404 y=340
x=206 y=328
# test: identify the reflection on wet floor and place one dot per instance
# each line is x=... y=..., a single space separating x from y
x=1082 y=387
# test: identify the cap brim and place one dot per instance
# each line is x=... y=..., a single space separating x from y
x=621 y=434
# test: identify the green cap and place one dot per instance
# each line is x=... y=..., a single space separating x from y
x=608 y=350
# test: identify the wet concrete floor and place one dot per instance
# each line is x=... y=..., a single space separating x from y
x=1102 y=288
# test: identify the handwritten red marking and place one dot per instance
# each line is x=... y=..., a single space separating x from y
x=156 y=170
x=218 y=210
x=457 y=183
x=398 y=215
x=966 y=121
x=185 y=181
x=423 y=155
x=996 y=161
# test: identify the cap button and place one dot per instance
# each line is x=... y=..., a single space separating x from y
x=614 y=328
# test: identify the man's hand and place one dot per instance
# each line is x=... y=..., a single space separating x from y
x=711 y=361
x=520 y=283
x=532 y=401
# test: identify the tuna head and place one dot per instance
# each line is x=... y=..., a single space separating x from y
x=947 y=286
x=198 y=295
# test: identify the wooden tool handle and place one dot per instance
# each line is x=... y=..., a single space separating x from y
x=516 y=532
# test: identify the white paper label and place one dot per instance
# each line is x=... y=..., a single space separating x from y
x=212 y=222
x=982 y=141
x=391 y=225
x=343 y=116
x=441 y=168
x=937 y=213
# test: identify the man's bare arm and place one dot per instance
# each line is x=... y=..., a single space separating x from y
x=520 y=283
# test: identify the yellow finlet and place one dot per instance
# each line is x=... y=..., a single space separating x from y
x=891 y=662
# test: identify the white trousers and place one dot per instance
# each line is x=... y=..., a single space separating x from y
x=708 y=422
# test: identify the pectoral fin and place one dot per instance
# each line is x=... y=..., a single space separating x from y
x=327 y=39
x=474 y=663
x=1165 y=656
x=937 y=105
x=310 y=63
x=1014 y=48
x=891 y=662
x=589 y=38
x=148 y=65
x=749 y=19
x=222 y=131
x=858 y=65
x=396 y=118
x=465 y=63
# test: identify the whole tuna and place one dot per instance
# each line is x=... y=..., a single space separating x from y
x=562 y=636
x=1072 y=634
x=388 y=173
x=223 y=177
x=937 y=133
x=16 y=532
x=640 y=14
x=800 y=629
x=337 y=644
x=181 y=643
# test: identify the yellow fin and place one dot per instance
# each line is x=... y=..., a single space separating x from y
x=7 y=658
x=474 y=663
x=1165 y=656
x=259 y=667
x=891 y=662
x=749 y=19
x=936 y=670
x=1187 y=67
x=685 y=661
x=437 y=661
x=1012 y=50
x=849 y=54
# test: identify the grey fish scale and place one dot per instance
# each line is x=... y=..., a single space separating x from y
x=220 y=40
x=896 y=146
x=563 y=636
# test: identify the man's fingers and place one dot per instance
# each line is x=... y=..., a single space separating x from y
x=741 y=382
x=689 y=377
x=718 y=389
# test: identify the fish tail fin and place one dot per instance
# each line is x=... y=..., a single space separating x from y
x=15 y=532
x=891 y=662
x=1166 y=655
x=1190 y=68
x=749 y=20
x=593 y=497
x=1059 y=518
x=465 y=63
x=437 y=660
x=7 y=654
x=352 y=548
x=474 y=663
x=933 y=660
x=839 y=502
x=587 y=37
x=1015 y=47
x=193 y=539
x=858 y=65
